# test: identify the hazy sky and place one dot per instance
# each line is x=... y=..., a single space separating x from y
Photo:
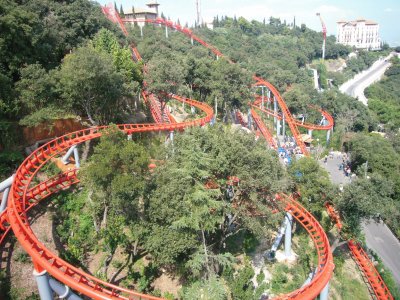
x=385 y=12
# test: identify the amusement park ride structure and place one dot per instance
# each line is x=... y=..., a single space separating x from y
x=54 y=274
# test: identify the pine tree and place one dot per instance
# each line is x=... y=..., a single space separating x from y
x=121 y=11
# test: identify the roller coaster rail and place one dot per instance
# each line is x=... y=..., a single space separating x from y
x=362 y=259
x=23 y=197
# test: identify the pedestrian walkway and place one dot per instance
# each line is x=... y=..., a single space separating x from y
x=378 y=236
x=332 y=166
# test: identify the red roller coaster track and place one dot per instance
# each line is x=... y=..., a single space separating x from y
x=362 y=259
x=22 y=198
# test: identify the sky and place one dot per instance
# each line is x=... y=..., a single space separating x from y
x=385 y=12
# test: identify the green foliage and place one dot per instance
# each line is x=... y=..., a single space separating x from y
x=197 y=156
x=210 y=289
x=91 y=85
x=313 y=183
x=240 y=284
x=76 y=228
x=49 y=113
x=380 y=154
x=9 y=161
x=106 y=41
x=365 y=198
x=22 y=257
x=36 y=88
x=250 y=242
x=383 y=97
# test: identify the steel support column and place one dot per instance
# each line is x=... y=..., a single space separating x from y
x=166 y=31
x=288 y=235
x=68 y=154
x=275 y=110
x=62 y=291
x=76 y=157
x=5 y=186
x=42 y=281
x=324 y=293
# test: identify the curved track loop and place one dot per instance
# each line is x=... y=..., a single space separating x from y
x=326 y=115
x=362 y=259
x=22 y=198
x=367 y=267
x=293 y=124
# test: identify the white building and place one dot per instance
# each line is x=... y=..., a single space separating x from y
x=150 y=12
x=361 y=33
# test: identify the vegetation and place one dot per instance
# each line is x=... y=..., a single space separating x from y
x=61 y=59
x=383 y=97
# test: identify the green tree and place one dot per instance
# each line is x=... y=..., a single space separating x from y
x=313 y=183
x=207 y=217
x=91 y=85
x=366 y=198
x=37 y=88
x=115 y=180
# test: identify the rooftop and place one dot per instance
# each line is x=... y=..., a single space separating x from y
x=355 y=22
x=139 y=10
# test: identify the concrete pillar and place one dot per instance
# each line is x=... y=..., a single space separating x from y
x=141 y=30
x=68 y=154
x=166 y=31
x=324 y=293
x=283 y=126
x=310 y=132
x=191 y=41
x=62 y=291
x=129 y=137
x=76 y=157
x=288 y=235
x=171 y=136
x=42 y=281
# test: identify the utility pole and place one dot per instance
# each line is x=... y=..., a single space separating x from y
x=323 y=34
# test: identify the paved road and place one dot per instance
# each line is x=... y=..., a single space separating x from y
x=380 y=239
x=378 y=236
x=355 y=87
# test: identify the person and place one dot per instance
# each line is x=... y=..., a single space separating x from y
x=326 y=159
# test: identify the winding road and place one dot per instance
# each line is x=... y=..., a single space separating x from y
x=355 y=87
x=378 y=236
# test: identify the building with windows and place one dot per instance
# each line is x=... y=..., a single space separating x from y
x=150 y=12
x=361 y=33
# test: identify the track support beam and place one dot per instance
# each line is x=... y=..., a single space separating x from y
x=42 y=281
x=62 y=291
x=324 y=293
x=5 y=188
x=288 y=235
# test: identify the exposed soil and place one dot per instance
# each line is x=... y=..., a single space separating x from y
x=17 y=263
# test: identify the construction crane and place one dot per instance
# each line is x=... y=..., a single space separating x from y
x=198 y=12
x=324 y=35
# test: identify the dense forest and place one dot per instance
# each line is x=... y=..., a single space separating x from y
x=64 y=59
